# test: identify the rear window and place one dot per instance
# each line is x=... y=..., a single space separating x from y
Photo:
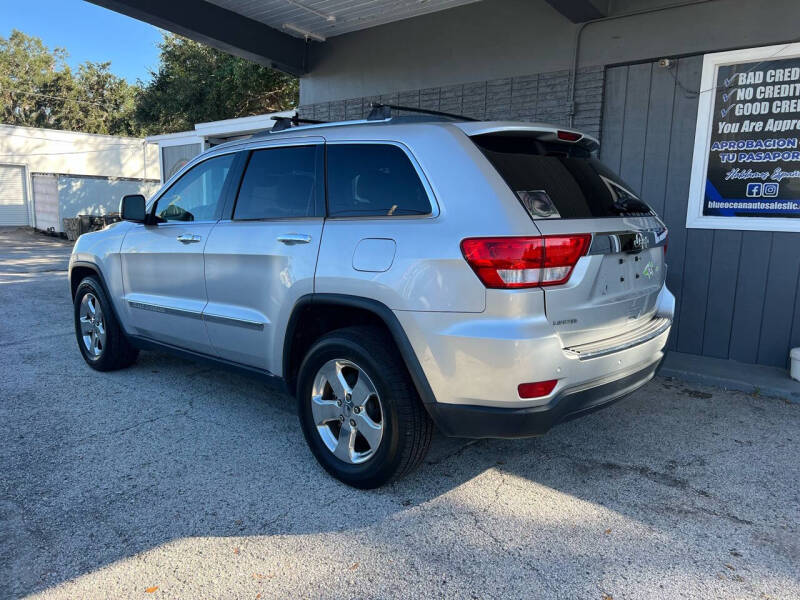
x=558 y=180
x=373 y=180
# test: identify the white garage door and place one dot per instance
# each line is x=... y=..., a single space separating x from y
x=13 y=203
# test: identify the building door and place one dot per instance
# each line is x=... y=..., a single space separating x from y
x=45 y=202
x=13 y=197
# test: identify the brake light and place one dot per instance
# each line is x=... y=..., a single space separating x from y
x=568 y=136
x=524 y=262
x=536 y=390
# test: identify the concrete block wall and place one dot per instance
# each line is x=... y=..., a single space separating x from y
x=539 y=97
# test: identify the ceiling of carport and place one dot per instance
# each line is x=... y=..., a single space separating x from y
x=278 y=33
x=327 y=18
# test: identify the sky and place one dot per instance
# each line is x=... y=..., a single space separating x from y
x=87 y=32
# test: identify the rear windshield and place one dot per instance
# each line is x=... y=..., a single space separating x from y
x=559 y=180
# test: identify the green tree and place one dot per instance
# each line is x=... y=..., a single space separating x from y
x=108 y=102
x=196 y=83
x=38 y=89
x=27 y=71
x=193 y=83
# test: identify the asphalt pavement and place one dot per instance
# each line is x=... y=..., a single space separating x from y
x=173 y=479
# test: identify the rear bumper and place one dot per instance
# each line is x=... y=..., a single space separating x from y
x=480 y=359
x=459 y=420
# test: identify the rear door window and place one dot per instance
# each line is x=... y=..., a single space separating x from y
x=366 y=180
x=559 y=180
x=281 y=183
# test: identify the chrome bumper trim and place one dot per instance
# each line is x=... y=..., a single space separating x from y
x=627 y=340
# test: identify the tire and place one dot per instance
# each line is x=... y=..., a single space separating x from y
x=406 y=429
x=113 y=350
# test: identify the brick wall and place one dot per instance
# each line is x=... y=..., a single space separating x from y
x=539 y=97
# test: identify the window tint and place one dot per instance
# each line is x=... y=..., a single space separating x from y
x=279 y=183
x=557 y=180
x=373 y=180
x=196 y=196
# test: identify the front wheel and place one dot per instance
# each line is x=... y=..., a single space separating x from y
x=101 y=340
x=359 y=410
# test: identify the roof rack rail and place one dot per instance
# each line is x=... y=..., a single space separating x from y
x=282 y=123
x=382 y=112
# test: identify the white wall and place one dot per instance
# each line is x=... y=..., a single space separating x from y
x=96 y=195
x=71 y=153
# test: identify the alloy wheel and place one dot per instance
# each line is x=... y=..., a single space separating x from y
x=347 y=411
x=93 y=325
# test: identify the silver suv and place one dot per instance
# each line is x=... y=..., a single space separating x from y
x=491 y=278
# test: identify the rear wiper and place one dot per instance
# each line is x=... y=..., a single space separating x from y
x=630 y=206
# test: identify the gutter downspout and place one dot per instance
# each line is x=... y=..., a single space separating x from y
x=144 y=159
x=577 y=45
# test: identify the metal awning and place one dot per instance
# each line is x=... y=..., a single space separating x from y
x=271 y=32
x=277 y=32
x=321 y=19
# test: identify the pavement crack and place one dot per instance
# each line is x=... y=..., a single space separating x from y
x=487 y=530
x=455 y=453
x=120 y=430
x=712 y=513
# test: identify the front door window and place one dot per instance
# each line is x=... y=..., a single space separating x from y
x=196 y=196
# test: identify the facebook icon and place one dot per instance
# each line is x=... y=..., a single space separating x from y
x=754 y=189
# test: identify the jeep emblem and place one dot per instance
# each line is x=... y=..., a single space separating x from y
x=640 y=242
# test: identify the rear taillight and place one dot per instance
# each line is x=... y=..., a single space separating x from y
x=524 y=262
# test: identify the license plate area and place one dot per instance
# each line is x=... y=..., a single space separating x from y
x=629 y=274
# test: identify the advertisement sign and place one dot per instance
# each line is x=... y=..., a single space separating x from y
x=746 y=167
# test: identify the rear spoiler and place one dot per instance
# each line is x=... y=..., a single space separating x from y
x=542 y=131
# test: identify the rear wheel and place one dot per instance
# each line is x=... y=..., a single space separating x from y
x=101 y=340
x=359 y=410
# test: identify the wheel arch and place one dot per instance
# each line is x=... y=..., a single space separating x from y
x=316 y=314
x=78 y=271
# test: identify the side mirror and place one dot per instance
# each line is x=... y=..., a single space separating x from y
x=131 y=208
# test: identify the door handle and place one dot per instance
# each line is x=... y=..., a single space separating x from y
x=188 y=238
x=294 y=238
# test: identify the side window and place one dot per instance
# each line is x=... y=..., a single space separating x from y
x=196 y=196
x=280 y=183
x=373 y=180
